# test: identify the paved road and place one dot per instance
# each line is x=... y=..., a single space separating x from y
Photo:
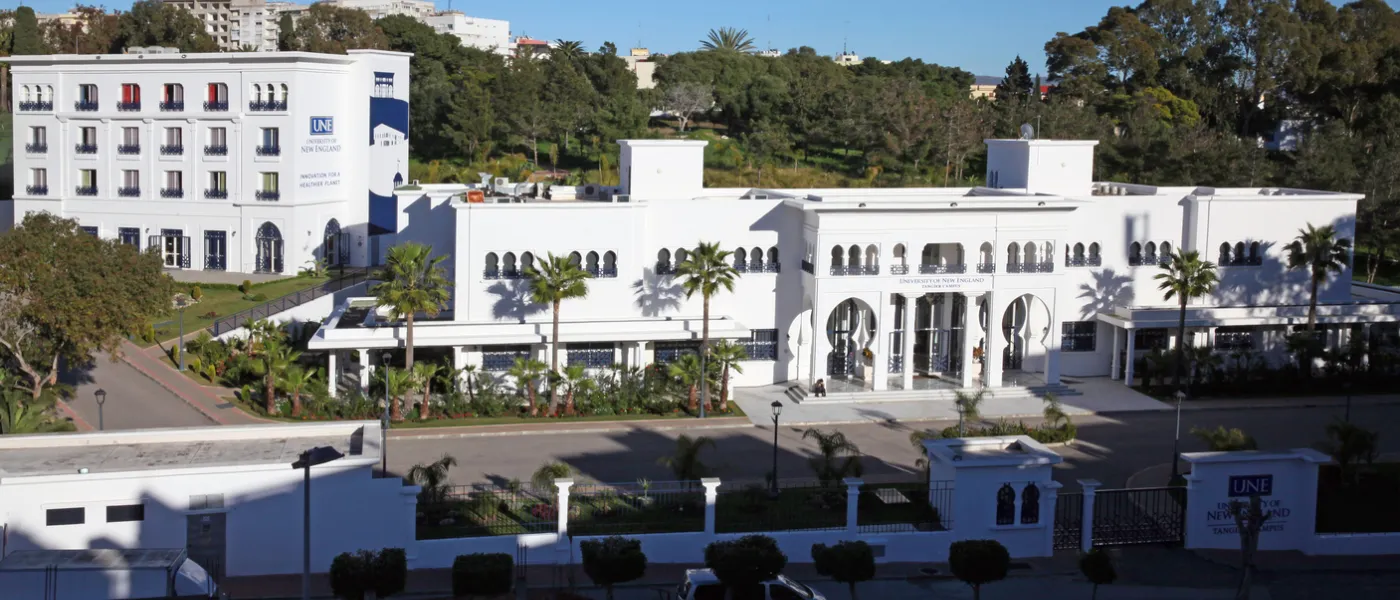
x=133 y=400
x=1110 y=448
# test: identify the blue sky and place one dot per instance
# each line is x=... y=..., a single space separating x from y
x=981 y=36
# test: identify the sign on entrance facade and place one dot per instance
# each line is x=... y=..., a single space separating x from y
x=1285 y=482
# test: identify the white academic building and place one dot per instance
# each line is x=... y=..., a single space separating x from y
x=255 y=162
x=869 y=289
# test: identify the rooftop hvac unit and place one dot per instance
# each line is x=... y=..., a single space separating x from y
x=623 y=198
x=502 y=182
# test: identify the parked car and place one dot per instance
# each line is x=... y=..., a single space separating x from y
x=701 y=584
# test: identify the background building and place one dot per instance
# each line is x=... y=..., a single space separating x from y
x=491 y=35
x=639 y=61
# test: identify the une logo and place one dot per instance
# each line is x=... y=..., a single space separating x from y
x=322 y=125
x=1251 y=485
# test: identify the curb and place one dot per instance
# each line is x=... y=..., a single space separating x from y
x=601 y=429
x=78 y=422
x=170 y=388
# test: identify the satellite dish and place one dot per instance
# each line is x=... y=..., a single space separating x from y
x=1027 y=132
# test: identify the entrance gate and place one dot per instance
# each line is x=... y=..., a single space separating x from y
x=1125 y=517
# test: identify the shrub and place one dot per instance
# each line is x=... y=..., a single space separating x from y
x=350 y=575
x=745 y=562
x=847 y=562
x=196 y=293
x=613 y=560
x=245 y=286
x=1225 y=440
x=1097 y=567
x=390 y=572
x=978 y=562
x=482 y=574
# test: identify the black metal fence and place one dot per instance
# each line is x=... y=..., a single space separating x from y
x=641 y=507
x=287 y=302
x=1139 y=516
x=486 y=510
x=1069 y=521
x=798 y=506
x=905 y=506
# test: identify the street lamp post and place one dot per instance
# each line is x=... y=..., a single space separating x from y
x=315 y=456
x=101 y=396
x=1346 y=385
x=181 y=302
x=384 y=420
x=777 y=412
x=1176 y=441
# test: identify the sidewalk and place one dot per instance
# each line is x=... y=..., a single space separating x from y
x=567 y=427
x=198 y=396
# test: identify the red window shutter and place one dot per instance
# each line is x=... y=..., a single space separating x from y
x=213 y=93
x=136 y=93
x=126 y=92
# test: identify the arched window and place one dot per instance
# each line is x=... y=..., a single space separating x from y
x=1094 y=253
x=1030 y=504
x=853 y=257
x=1224 y=253
x=1164 y=252
x=756 y=260
x=492 y=266
x=1006 y=505
x=1079 y=253
x=527 y=263
x=663 y=261
x=48 y=94
x=1149 y=253
x=1239 y=253
x=257 y=92
x=1013 y=255
x=899 y=258
x=508 y=265
x=271 y=94
x=930 y=255
x=838 y=257
x=1031 y=253
x=872 y=256
x=1254 y=257
x=24 y=93
x=575 y=259
x=773 y=264
x=1135 y=254
x=985 y=250
x=609 y=264
x=590 y=263
x=681 y=256
x=284 y=93
x=741 y=260
x=269 y=249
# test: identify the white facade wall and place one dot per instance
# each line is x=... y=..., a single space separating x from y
x=491 y=35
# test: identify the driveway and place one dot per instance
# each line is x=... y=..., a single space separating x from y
x=134 y=401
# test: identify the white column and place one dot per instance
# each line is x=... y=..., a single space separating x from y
x=1113 y=358
x=1086 y=520
x=944 y=321
x=910 y=305
x=459 y=362
x=647 y=355
x=1049 y=494
x=366 y=370
x=969 y=342
x=883 y=344
x=1128 y=358
x=711 y=496
x=852 y=504
x=1366 y=339
x=563 y=485
x=331 y=373
x=995 y=344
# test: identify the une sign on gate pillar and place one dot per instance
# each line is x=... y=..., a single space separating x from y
x=1251 y=485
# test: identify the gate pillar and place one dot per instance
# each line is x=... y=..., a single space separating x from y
x=1086 y=522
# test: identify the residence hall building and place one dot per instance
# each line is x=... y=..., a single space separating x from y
x=879 y=289
x=253 y=162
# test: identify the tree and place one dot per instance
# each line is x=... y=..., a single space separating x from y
x=1321 y=253
x=613 y=560
x=525 y=112
x=527 y=373
x=1249 y=521
x=768 y=140
x=413 y=281
x=706 y=270
x=155 y=23
x=1097 y=567
x=263 y=333
x=728 y=354
x=1016 y=86
x=746 y=562
x=576 y=381
x=978 y=562
x=1054 y=411
x=837 y=457
x=397 y=384
x=286 y=32
x=1349 y=444
x=1225 y=440
x=554 y=280
x=331 y=29
x=686 y=99
x=423 y=374
x=18 y=415
x=728 y=39
x=846 y=562
x=25 y=38
x=276 y=360
x=969 y=406
x=685 y=461
x=543 y=478
x=1184 y=277
x=295 y=382
x=432 y=478
x=66 y=295
x=567 y=49
x=686 y=370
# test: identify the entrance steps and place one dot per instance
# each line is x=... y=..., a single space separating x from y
x=800 y=395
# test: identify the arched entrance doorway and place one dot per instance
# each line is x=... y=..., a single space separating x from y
x=333 y=249
x=269 y=249
x=850 y=329
x=1025 y=327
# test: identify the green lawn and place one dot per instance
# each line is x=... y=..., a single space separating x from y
x=223 y=302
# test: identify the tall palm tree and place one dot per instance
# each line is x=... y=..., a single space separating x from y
x=969 y=407
x=554 y=280
x=413 y=281
x=455 y=379
x=706 y=270
x=1321 y=253
x=728 y=354
x=576 y=381
x=568 y=49
x=262 y=332
x=423 y=374
x=397 y=384
x=276 y=358
x=731 y=39
x=295 y=382
x=685 y=462
x=837 y=457
x=432 y=477
x=527 y=373
x=1184 y=277
x=687 y=370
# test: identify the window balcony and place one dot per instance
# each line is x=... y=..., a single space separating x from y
x=86 y=190
x=36 y=190
x=986 y=267
x=35 y=106
x=857 y=270
x=216 y=194
x=491 y=274
x=1041 y=267
x=269 y=150
x=128 y=106
x=172 y=193
x=270 y=106
x=129 y=192
x=809 y=267
x=168 y=150
x=85 y=148
x=1092 y=261
x=269 y=195
x=591 y=358
x=172 y=106
x=607 y=272
x=36 y=148
x=216 y=106
x=665 y=268
x=942 y=269
x=129 y=149
x=899 y=269
x=772 y=267
x=85 y=105
x=219 y=150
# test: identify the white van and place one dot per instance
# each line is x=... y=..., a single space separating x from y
x=701 y=584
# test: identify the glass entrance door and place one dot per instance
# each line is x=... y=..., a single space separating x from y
x=172 y=248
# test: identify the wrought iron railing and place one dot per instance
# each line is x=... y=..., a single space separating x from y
x=36 y=148
x=268 y=106
x=216 y=105
x=941 y=269
x=287 y=302
x=172 y=105
x=899 y=269
x=986 y=267
x=665 y=268
x=857 y=270
x=85 y=105
x=1092 y=261
x=636 y=508
x=86 y=190
x=172 y=193
x=488 y=510
x=171 y=150
x=129 y=149
x=799 y=506
x=268 y=196
x=216 y=194
x=85 y=148
x=130 y=191
x=35 y=106
x=809 y=267
x=216 y=150
x=592 y=358
x=36 y=190
x=268 y=150
x=916 y=505
x=128 y=106
x=773 y=267
x=1038 y=267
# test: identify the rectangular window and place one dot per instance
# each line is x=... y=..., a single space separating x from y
x=173 y=92
x=126 y=512
x=131 y=136
x=92 y=231
x=270 y=137
x=1234 y=338
x=131 y=93
x=206 y=502
x=1078 y=336
x=131 y=178
x=669 y=352
x=1150 y=339
x=500 y=358
x=39 y=136
x=269 y=182
x=593 y=356
x=174 y=136
x=88 y=178
x=761 y=345
x=218 y=181
x=39 y=177
x=130 y=236
x=218 y=136
x=88 y=135
x=65 y=516
x=174 y=180
x=87 y=93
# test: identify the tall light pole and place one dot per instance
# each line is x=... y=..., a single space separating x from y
x=1346 y=385
x=384 y=420
x=181 y=302
x=777 y=412
x=315 y=456
x=101 y=396
x=1176 y=441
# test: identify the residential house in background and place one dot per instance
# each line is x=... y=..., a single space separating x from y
x=491 y=35
x=639 y=61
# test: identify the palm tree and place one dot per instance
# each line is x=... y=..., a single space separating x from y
x=1322 y=253
x=706 y=270
x=527 y=374
x=1184 y=277
x=295 y=382
x=969 y=407
x=276 y=358
x=413 y=281
x=1054 y=411
x=397 y=384
x=685 y=462
x=837 y=457
x=576 y=381
x=19 y=415
x=432 y=477
x=729 y=39
x=543 y=478
x=1225 y=440
x=568 y=49
x=423 y=374
x=687 y=370
x=261 y=333
x=1350 y=444
x=728 y=354
x=554 y=280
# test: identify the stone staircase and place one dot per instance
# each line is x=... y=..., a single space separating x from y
x=799 y=394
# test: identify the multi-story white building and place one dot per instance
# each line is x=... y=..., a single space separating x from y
x=378 y=9
x=248 y=162
x=491 y=35
x=873 y=288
